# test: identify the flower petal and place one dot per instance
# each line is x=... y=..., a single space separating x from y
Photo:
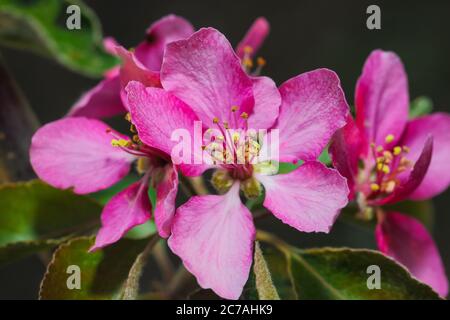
x=166 y=192
x=167 y=29
x=206 y=74
x=347 y=145
x=313 y=108
x=407 y=241
x=254 y=37
x=127 y=209
x=308 y=199
x=101 y=101
x=267 y=104
x=157 y=114
x=381 y=98
x=437 y=178
x=132 y=69
x=214 y=236
x=77 y=152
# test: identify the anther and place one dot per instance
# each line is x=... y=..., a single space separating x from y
x=234 y=108
x=128 y=117
x=389 y=138
x=244 y=115
x=261 y=61
x=215 y=120
x=248 y=49
x=374 y=187
x=397 y=150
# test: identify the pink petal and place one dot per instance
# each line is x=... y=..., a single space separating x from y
x=267 y=104
x=308 y=199
x=77 y=152
x=437 y=178
x=157 y=114
x=381 y=98
x=101 y=101
x=214 y=235
x=133 y=70
x=345 y=150
x=313 y=108
x=166 y=192
x=255 y=37
x=110 y=44
x=410 y=183
x=407 y=241
x=159 y=34
x=127 y=209
x=206 y=74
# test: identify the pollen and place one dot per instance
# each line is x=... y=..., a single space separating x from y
x=387 y=155
x=389 y=138
x=397 y=150
x=379 y=149
x=374 y=187
x=120 y=143
x=261 y=61
x=248 y=62
x=234 y=108
x=406 y=149
x=225 y=125
x=215 y=120
x=244 y=115
x=248 y=49
x=386 y=169
x=128 y=117
x=390 y=186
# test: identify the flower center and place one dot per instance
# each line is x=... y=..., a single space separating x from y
x=389 y=163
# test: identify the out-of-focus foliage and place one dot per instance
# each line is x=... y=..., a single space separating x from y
x=40 y=26
x=110 y=273
x=338 y=273
x=35 y=216
x=420 y=107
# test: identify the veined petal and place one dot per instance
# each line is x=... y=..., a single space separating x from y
x=157 y=114
x=77 y=152
x=313 y=108
x=407 y=241
x=214 y=236
x=127 y=209
x=345 y=150
x=308 y=198
x=167 y=29
x=267 y=104
x=254 y=37
x=437 y=178
x=166 y=192
x=101 y=101
x=381 y=98
x=205 y=73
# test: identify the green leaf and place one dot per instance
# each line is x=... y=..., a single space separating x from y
x=17 y=250
x=420 y=106
x=105 y=195
x=263 y=280
x=325 y=157
x=32 y=213
x=40 y=26
x=111 y=273
x=338 y=273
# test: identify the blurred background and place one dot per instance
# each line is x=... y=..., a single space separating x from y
x=305 y=35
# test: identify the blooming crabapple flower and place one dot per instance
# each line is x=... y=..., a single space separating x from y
x=86 y=155
x=204 y=80
x=387 y=158
x=143 y=64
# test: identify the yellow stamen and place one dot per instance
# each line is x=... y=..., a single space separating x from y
x=244 y=115
x=215 y=120
x=390 y=186
x=128 y=116
x=374 y=187
x=379 y=149
x=261 y=61
x=380 y=166
x=386 y=169
x=225 y=125
x=248 y=49
x=406 y=149
x=234 y=108
x=397 y=150
x=387 y=155
x=120 y=143
x=389 y=138
x=380 y=159
x=248 y=62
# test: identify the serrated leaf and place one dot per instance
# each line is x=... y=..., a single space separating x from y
x=40 y=26
x=263 y=280
x=35 y=216
x=420 y=107
x=103 y=273
x=339 y=273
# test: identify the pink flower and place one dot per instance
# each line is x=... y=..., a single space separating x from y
x=86 y=155
x=202 y=79
x=387 y=158
x=144 y=64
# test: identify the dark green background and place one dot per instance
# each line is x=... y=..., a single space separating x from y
x=305 y=35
